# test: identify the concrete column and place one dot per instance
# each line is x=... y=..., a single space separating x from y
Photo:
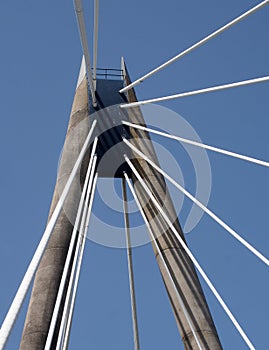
x=49 y=273
x=179 y=264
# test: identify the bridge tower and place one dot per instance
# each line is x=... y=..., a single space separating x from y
x=191 y=311
x=107 y=137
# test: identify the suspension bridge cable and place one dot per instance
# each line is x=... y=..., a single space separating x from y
x=198 y=144
x=85 y=48
x=81 y=251
x=15 y=307
x=181 y=302
x=191 y=256
x=196 y=45
x=130 y=266
x=198 y=92
x=68 y=298
x=70 y=252
x=203 y=207
x=75 y=257
x=95 y=40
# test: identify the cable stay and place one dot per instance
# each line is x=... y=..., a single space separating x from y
x=198 y=144
x=195 y=46
x=70 y=250
x=67 y=316
x=199 y=204
x=15 y=307
x=197 y=92
x=81 y=251
x=66 y=320
x=130 y=266
x=181 y=302
x=85 y=48
x=191 y=256
x=95 y=40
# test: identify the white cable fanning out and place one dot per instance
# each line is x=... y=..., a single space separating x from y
x=15 y=307
x=198 y=144
x=70 y=252
x=181 y=302
x=191 y=256
x=75 y=257
x=85 y=48
x=82 y=246
x=197 y=92
x=95 y=40
x=195 y=46
x=130 y=266
x=199 y=204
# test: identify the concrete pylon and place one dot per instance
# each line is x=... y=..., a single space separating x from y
x=49 y=273
x=177 y=260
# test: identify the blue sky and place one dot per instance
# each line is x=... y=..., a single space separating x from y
x=40 y=58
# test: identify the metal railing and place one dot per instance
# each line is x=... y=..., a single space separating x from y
x=109 y=72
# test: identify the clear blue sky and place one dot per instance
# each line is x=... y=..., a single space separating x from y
x=40 y=58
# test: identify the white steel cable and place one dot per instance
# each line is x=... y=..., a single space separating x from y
x=195 y=262
x=70 y=252
x=196 y=45
x=75 y=257
x=27 y=279
x=85 y=48
x=82 y=246
x=198 y=144
x=197 y=92
x=203 y=207
x=130 y=266
x=181 y=302
x=95 y=40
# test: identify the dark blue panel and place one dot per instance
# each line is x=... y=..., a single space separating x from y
x=110 y=130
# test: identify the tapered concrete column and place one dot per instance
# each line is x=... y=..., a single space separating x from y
x=179 y=264
x=49 y=273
